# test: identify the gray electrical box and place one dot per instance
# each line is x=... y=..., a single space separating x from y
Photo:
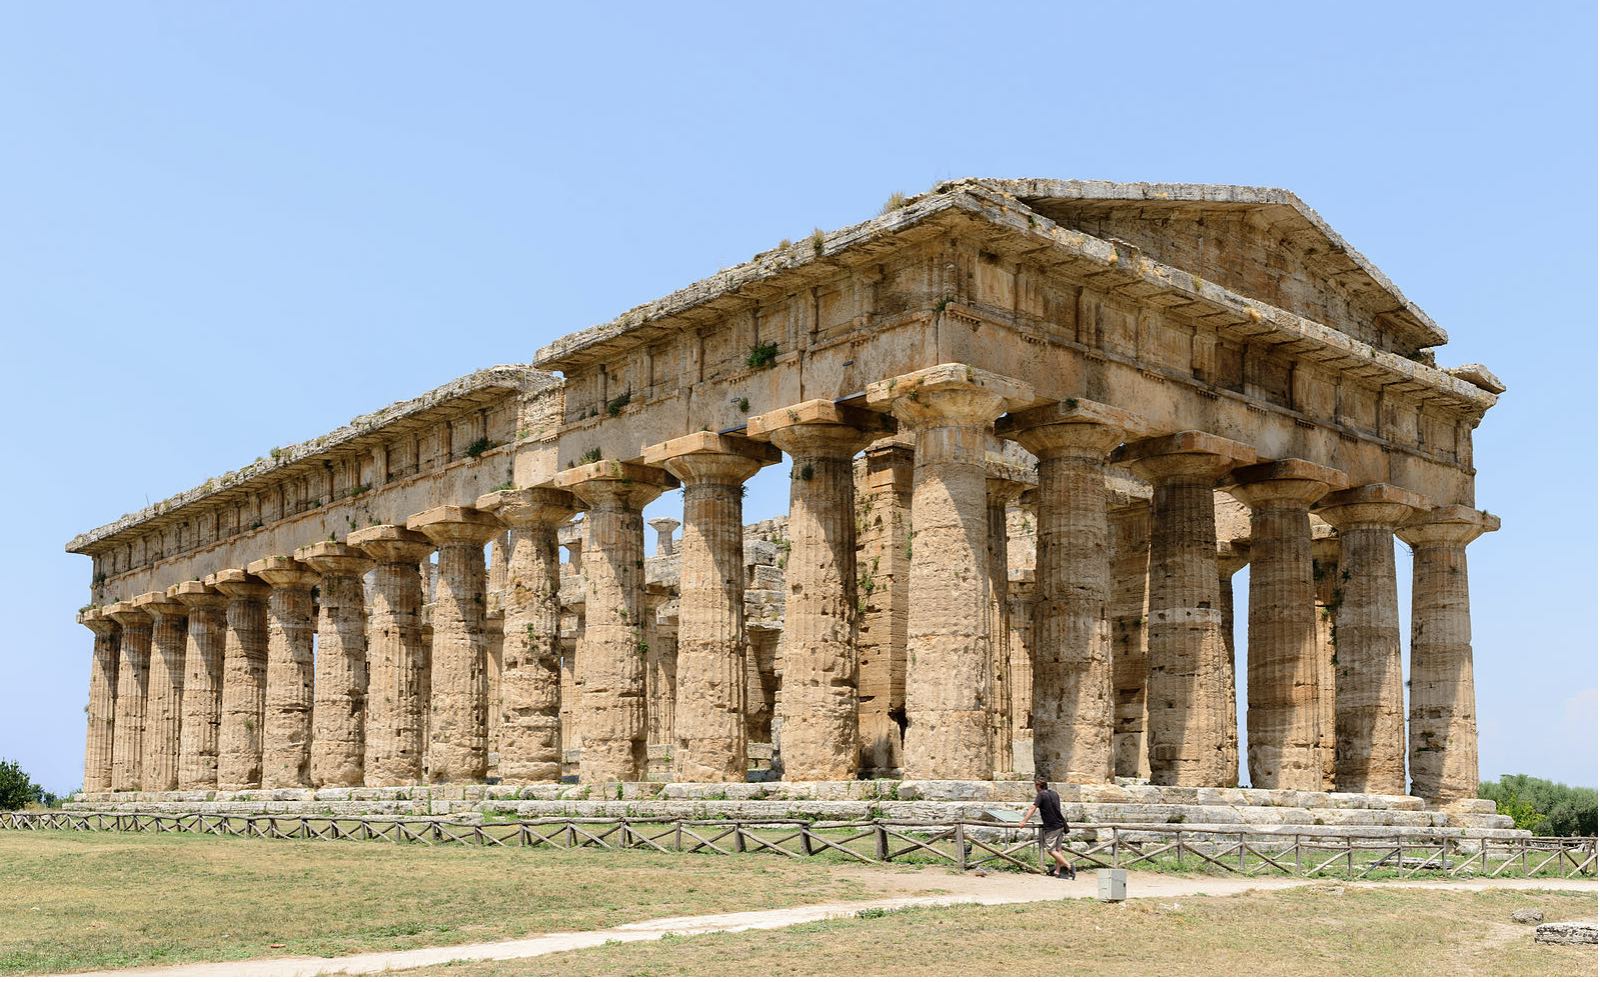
x=1113 y=885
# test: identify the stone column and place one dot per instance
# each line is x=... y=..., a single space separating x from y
x=102 y=709
x=397 y=660
x=883 y=564
x=1232 y=556
x=1444 y=726
x=530 y=680
x=339 y=706
x=1369 y=689
x=1020 y=595
x=820 y=715
x=610 y=664
x=1325 y=581
x=664 y=528
x=1004 y=483
x=1187 y=696
x=202 y=683
x=244 y=679
x=950 y=410
x=1282 y=712
x=709 y=740
x=661 y=662
x=133 y=683
x=286 y=744
x=1072 y=694
x=1128 y=525
x=459 y=717
x=163 y=713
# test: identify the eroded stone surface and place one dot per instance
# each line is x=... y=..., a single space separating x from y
x=133 y=680
x=102 y=700
x=163 y=719
x=397 y=658
x=202 y=684
x=244 y=679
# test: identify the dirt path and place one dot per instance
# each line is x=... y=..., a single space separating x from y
x=923 y=888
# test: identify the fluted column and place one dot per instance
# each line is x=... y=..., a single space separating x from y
x=1187 y=696
x=883 y=577
x=1444 y=726
x=339 y=701
x=133 y=681
x=1369 y=688
x=950 y=410
x=286 y=740
x=819 y=709
x=1005 y=482
x=1128 y=525
x=102 y=709
x=664 y=528
x=202 y=683
x=1072 y=695
x=244 y=679
x=458 y=719
x=397 y=660
x=163 y=714
x=530 y=680
x=610 y=662
x=1282 y=714
x=1231 y=558
x=709 y=739
x=1325 y=575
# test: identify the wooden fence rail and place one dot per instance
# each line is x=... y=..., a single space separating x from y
x=966 y=844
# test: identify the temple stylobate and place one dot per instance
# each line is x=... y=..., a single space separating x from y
x=1032 y=429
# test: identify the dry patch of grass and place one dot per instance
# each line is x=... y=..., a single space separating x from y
x=81 y=900
x=1304 y=931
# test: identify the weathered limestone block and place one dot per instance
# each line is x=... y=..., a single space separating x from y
x=397 y=659
x=1369 y=694
x=1566 y=932
x=950 y=410
x=202 y=683
x=133 y=680
x=1072 y=693
x=709 y=728
x=883 y=564
x=244 y=679
x=821 y=717
x=530 y=680
x=1128 y=526
x=163 y=715
x=1444 y=729
x=1188 y=699
x=609 y=663
x=286 y=746
x=458 y=718
x=102 y=710
x=339 y=714
x=1283 y=711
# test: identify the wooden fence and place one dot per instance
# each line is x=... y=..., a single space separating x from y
x=964 y=845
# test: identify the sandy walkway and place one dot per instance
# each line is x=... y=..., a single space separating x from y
x=914 y=889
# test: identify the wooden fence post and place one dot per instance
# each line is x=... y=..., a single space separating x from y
x=961 y=846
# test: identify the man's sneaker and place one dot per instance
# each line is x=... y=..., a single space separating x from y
x=1072 y=872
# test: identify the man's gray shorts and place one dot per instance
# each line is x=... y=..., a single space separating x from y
x=1050 y=839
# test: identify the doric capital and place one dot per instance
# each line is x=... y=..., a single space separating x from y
x=1448 y=525
x=334 y=559
x=1004 y=480
x=711 y=458
x=392 y=544
x=614 y=485
x=195 y=595
x=1290 y=481
x=157 y=605
x=284 y=573
x=820 y=428
x=455 y=525
x=664 y=528
x=526 y=508
x=1071 y=426
x=950 y=394
x=1189 y=453
x=236 y=583
x=96 y=620
x=1370 y=506
x=127 y=614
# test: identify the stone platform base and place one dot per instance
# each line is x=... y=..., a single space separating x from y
x=1211 y=809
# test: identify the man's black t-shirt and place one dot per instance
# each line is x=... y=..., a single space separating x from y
x=1049 y=805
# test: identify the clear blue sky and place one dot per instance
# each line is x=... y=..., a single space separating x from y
x=228 y=227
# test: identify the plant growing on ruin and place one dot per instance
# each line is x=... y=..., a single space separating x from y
x=744 y=405
x=895 y=201
x=478 y=447
x=817 y=241
x=590 y=456
x=615 y=406
x=763 y=355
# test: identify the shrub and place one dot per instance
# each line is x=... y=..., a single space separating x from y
x=1542 y=807
x=16 y=787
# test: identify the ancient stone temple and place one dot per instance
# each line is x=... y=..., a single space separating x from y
x=1031 y=428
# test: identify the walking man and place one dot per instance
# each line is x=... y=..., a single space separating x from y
x=1052 y=828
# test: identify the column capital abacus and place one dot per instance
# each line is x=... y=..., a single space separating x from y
x=1370 y=506
x=664 y=527
x=949 y=394
x=158 y=605
x=237 y=583
x=127 y=615
x=1448 y=525
x=1290 y=481
x=820 y=427
x=284 y=572
x=332 y=559
x=1072 y=426
x=529 y=507
x=711 y=458
x=195 y=595
x=1004 y=480
x=615 y=484
x=455 y=525
x=391 y=544
x=96 y=620
x=1189 y=453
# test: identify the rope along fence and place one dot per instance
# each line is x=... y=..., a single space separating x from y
x=964 y=845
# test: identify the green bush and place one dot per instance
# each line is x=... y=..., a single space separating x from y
x=1542 y=807
x=16 y=787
